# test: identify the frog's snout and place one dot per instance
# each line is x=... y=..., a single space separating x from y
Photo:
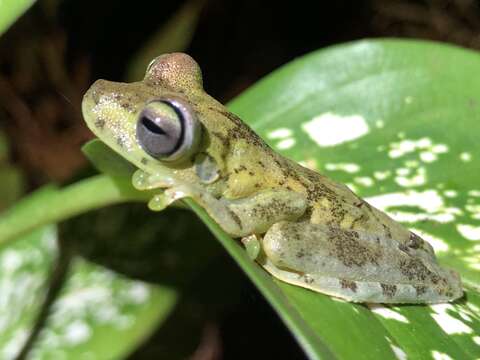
x=96 y=101
x=96 y=91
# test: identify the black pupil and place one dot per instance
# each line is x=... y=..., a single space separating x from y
x=151 y=126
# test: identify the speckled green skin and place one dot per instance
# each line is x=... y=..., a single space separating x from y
x=313 y=232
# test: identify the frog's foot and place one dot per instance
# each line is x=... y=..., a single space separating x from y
x=169 y=196
x=159 y=202
x=355 y=265
x=217 y=209
x=252 y=245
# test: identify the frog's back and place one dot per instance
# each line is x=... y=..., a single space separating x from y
x=334 y=204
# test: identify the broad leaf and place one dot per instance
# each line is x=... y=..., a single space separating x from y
x=398 y=122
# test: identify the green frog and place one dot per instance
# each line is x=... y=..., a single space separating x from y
x=300 y=226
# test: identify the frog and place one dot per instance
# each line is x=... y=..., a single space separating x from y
x=300 y=226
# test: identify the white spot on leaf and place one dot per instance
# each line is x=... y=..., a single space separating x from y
x=450 y=193
x=424 y=143
x=437 y=355
x=448 y=323
x=285 y=144
x=364 y=180
x=77 y=332
x=469 y=232
x=402 y=171
x=466 y=156
x=399 y=353
x=429 y=201
x=387 y=313
x=280 y=133
x=417 y=179
x=10 y=261
x=474 y=210
x=284 y=134
x=347 y=167
x=382 y=175
x=428 y=154
x=474 y=193
x=401 y=148
x=440 y=148
x=139 y=292
x=428 y=157
x=330 y=129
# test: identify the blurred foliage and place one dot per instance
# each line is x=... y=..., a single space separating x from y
x=10 y=10
x=12 y=179
x=96 y=308
x=173 y=36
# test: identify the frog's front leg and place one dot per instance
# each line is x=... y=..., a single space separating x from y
x=245 y=216
x=355 y=265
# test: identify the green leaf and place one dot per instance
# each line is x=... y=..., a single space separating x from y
x=10 y=10
x=49 y=204
x=396 y=121
x=107 y=161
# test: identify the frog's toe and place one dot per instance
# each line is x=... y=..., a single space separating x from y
x=159 y=202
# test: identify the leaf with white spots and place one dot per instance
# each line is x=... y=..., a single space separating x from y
x=393 y=109
x=97 y=306
x=397 y=122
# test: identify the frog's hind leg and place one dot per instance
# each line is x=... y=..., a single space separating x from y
x=353 y=265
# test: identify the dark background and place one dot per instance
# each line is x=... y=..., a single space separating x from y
x=52 y=54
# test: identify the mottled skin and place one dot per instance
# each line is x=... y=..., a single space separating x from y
x=312 y=232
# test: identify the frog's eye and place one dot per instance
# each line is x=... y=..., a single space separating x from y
x=168 y=130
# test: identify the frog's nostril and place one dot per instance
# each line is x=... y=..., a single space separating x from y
x=94 y=96
x=98 y=89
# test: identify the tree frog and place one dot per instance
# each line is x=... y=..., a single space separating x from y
x=300 y=226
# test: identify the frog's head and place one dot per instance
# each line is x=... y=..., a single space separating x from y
x=151 y=118
x=166 y=121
